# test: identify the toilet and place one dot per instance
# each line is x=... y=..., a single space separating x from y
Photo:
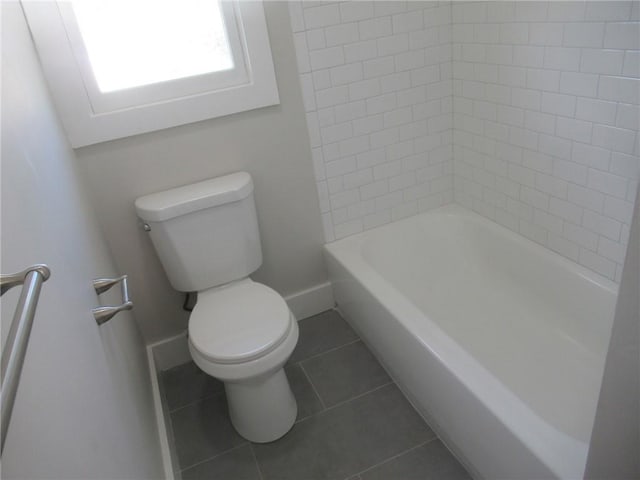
x=240 y=331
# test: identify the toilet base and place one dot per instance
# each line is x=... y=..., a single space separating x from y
x=264 y=409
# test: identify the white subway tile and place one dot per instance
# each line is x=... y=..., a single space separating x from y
x=355 y=145
x=374 y=189
x=381 y=103
x=625 y=165
x=378 y=67
x=580 y=235
x=349 y=111
x=363 y=126
x=563 y=246
x=616 y=139
x=577 y=130
x=558 y=104
x=631 y=66
x=609 y=11
x=397 y=82
x=326 y=57
x=393 y=44
x=332 y=96
x=321 y=16
x=315 y=39
x=585 y=34
x=628 y=116
x=406 y=22
x=340 y=167
x=352 y=11
x=608 y=62
x=582 y=84
x=591 y=156
x=619 y=89
x=321 y=79
x=375 y=28
x=561 y=58
x=596 y=111
x=540 y=79
x=552 y=145
x=597 y=263
x=389 y=7
x=607 y=183
x=364 y=89
x=341 y=34
x=625 y=36
x=528 y=56
x=560 y=11
x=586 y=198
x=356 y=52
x=602 y=225
x=618 y=209
x=409 y=60
x=514 y=33
x=335 y=133
x=545 y=34
x=345 y=74
x=614 y=251
x=534 y=11
x=570 y=171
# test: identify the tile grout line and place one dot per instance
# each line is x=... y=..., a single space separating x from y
x=216 y=456
x=332 y=349
x=195 y=401
x=255 y=459
x=324 y=407
x=360 y=395
x=415 y=447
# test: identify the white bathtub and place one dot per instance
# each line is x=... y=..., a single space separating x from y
x=497 y=341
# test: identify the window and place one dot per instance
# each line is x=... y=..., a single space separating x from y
x=119 y=68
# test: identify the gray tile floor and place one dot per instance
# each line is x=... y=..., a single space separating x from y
x=353 y=422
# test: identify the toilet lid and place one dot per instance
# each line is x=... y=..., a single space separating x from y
x=238 y=323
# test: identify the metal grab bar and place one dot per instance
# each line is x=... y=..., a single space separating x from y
x=101 y=285
x=16 y=347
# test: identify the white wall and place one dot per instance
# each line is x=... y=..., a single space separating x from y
x=546 y=122
x=84 y=407
x=270 y=143
x=614 y=452
x=376 y=80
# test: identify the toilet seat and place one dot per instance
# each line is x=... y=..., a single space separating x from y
x=239 y=323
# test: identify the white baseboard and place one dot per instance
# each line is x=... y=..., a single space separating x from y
x=163 y=433
x=171 y=352
x=311 y=301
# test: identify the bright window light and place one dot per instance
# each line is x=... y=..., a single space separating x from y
x=142 y=42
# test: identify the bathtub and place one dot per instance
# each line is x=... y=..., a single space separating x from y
x=498 y=342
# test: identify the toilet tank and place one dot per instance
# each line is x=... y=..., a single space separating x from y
x=206 y=234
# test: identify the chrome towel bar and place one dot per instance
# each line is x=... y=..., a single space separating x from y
x=101 y=285
x=15 y=348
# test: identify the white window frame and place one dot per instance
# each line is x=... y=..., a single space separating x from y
x=91 y=117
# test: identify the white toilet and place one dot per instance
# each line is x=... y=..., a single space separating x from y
x=240 y=331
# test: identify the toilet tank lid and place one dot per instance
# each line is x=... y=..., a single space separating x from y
x=161 y=206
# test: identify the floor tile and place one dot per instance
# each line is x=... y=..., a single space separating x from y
x=429 y=462
x=345 y=373
x=321 y=333
x=203 y=430
x=238 y=464
x=308 y=401
x=186 y=384
x=345 y=440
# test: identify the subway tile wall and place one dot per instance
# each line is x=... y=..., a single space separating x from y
x=537 y=102
x=546 y=122
x=376 y=82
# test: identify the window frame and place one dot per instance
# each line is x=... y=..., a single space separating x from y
x=89 y=119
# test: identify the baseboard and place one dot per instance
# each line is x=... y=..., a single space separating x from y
x=311 y=301
x=163 y=434
x=171 y=352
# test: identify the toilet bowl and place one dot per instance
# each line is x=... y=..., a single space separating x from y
x=240 y=331
x=242 y=334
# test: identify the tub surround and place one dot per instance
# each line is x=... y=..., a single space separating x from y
x=510 y=366
x=541 y=98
